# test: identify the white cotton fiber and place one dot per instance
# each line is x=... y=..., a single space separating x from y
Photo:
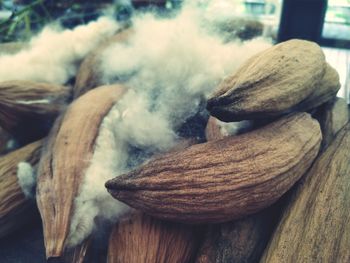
x=169 y=66
x=26 y=178
x=53 y=55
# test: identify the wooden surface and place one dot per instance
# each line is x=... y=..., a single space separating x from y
x=225 y=179
x=66 y=156
x=315 y=227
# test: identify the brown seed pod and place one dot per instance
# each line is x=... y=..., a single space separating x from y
x=226 y=179
x=270 y=83
x=27 y=109
x=66 y=156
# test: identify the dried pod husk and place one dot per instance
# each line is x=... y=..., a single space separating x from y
x=270 y=83
x=89 y=75
x=315 y=226
x=226 y=179
x=15 y=208
x=27 y=109
x=65 y=158
x=326 y=91
x=332 y=116
x=140 y=238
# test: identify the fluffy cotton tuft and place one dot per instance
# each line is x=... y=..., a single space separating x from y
x=52 y=56
x=26 y=178
x=170 y=66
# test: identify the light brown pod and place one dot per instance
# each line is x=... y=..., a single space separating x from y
x=27 y=109
x=89 y=74
x=65 y=158
x=325 y=91
x=315 y=226
x=15 y=209
x=270 y=83
x=139 y=238
x=226 y=179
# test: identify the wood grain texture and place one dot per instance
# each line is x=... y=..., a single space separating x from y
x=89 y=74
x=225 y=179
x=15 y=209
x=315 y=226
x=27 y=109
x=65 y=158
x=270 y=83
x=139 y=238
